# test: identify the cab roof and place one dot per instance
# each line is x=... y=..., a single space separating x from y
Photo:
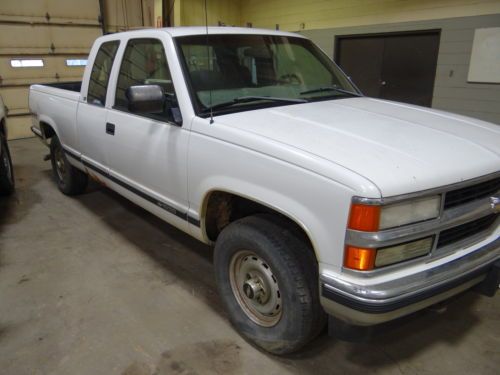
x=202 y=30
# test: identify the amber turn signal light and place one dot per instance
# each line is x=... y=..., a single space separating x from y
x=358 y=258
x=364 y=217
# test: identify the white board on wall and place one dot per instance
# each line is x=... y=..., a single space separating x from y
x=485 y=57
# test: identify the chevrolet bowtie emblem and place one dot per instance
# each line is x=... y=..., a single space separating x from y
x=495 y=204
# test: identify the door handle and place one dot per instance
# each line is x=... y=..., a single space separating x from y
x=110 y=128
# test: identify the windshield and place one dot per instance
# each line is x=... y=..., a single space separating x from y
x=239 y=72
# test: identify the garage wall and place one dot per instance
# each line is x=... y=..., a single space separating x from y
x=51 y=30
x=452 y=92
x=457 y=19
x=124 y=15
x=315 y=14
x=193 y=12
x=54 y=30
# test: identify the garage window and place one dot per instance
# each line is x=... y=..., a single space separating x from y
x=76 y=62
x=26 y=63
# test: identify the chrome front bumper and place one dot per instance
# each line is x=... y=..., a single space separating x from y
x=368 y=304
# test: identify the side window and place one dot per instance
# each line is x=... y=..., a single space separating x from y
x=144 y=63
x=101 y=69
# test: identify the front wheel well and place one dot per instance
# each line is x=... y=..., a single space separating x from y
x=223 y=208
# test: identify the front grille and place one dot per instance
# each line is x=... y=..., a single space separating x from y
x=469 y=193
x=463 y=231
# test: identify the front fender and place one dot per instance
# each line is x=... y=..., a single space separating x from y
x=317 y=204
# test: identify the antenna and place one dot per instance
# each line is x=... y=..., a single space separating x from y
x=208 y=62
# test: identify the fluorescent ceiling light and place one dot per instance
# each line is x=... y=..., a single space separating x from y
x=76 y=62
x=25 y=63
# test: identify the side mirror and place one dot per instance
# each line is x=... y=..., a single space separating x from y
x=145 y=99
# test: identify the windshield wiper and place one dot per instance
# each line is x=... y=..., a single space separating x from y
x=250 y=99
x=330 y=88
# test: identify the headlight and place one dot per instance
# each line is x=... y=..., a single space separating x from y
x=403 y=252
x=376 y=217
x=397 y=214
x=362 y=259
x=372 y=218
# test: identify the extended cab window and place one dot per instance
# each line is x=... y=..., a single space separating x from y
x=99 y=77
x=144 y=63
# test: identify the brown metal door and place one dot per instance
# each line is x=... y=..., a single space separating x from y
x=400 y=67
x=362 y=61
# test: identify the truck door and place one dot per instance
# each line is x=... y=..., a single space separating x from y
x=91 y=114
x=148 y=151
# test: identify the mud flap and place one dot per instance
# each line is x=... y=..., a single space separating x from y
x=489 y=286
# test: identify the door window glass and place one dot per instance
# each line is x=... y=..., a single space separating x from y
x=144 y=63
x=101 y=69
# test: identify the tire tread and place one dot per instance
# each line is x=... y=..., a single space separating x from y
x=298 y=259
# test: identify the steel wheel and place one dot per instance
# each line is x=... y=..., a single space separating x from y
x=70 y=180
x=256 y=288
x=60 y=165
x=268 y=281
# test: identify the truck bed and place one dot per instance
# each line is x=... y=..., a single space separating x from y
x=56 y=104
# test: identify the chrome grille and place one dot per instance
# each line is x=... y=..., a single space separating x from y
x=466 y=230
x=469 y=193
x=466 y=218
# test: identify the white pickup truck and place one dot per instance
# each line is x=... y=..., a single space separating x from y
x=320 y=202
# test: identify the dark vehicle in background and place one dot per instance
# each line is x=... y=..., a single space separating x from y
x=6 y=171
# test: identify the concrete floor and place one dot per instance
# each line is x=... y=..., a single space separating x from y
x=95 y=285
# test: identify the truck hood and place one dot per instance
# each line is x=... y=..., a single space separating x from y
x=400 y=148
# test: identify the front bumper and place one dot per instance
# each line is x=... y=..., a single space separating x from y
x=368 y=304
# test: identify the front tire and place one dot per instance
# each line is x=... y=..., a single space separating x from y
x=70 y=180
x=268 y=281
x=7 y=183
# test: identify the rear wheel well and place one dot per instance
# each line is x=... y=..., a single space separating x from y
x=222 y=208
x=47 y=130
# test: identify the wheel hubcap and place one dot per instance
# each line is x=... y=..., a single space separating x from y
x=253 y=290
x=256 y=288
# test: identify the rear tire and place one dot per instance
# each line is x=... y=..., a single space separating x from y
x=268 y=281
x=7 y=182
x=69 y=179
